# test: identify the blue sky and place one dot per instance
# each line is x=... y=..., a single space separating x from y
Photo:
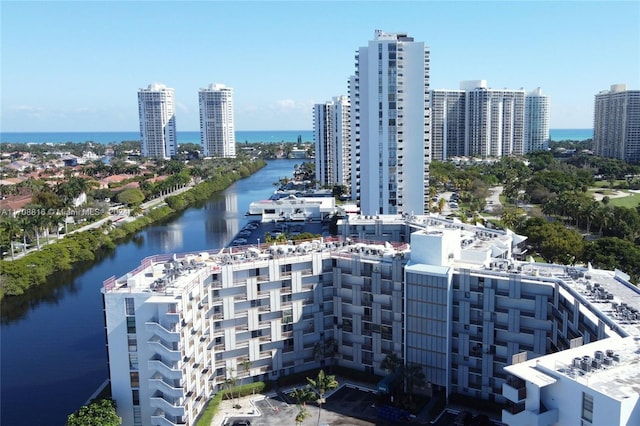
x=77 y=66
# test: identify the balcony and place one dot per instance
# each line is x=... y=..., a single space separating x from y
x=173 y=408
x=514 y=389
x=159 y=418
x=170 y=335
x=165 y=388
x=169 y=371
x=165 y=352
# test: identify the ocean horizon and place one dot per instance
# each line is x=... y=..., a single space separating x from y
x=242 y=136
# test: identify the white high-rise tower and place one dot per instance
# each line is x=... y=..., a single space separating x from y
x=217 y=132
x=156 y=106
x=536 y=123
x=616 y=124
x=331 y=133
x=390 y=125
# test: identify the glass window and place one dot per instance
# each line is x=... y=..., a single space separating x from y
x=133 y=345
x=136 y=396
x=129 y=306
x=131 y=325
x=135 y=379
x=587 y=407
x=287 y=316
x=133 y=360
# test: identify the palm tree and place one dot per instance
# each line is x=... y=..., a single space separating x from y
x=390 y=363
x=302 y=396
x=321 y=384
x=11 y=228
x=246 y=367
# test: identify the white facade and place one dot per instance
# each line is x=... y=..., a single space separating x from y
x=477 y=121
x=594 y=384
x=447 y=124
x=390 y=125
x=156 y=107
x=536 y=124
x=292 y=208
x=217 y=131
x=495 y=120
x=332 y=133
x=616 y=126
x=454 y=302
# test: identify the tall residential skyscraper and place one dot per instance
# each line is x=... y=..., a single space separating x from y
x=495 y=120
x=447 y=124
x=484 y=122
x=331 y=133
x=616 y=124
x=536 y=123
x=390 y=126
x=217 y=132
x=156 y=107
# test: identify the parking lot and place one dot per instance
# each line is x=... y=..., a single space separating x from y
x=347 y=406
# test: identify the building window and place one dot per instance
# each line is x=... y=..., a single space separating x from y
x=135 y=379
x=133 y=345
x=587 y=407
x=287 y=316
x=131 y=325
x=136 y=396
x=133 y=360
x=128 y=306
x=137 y=416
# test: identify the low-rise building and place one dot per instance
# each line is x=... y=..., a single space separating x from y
x=455 y=304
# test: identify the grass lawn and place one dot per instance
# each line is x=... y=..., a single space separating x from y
x=606 y=184
x=631 y=201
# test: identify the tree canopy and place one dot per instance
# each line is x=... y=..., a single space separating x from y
x=98 y=413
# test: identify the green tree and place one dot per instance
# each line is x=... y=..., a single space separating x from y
x=10 y=229
x=302 y=396
x=130 y=197
x=321 y=385
x=98 y=413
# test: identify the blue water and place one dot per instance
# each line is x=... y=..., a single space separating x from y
x=251 y=136
x=570 y=134
x=267 y=136
x=52 y=341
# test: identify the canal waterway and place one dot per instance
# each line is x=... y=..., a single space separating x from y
x=52 y=340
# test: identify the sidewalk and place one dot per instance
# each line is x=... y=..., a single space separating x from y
x=226 y=410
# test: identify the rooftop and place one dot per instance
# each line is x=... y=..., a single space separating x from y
x=609 y=366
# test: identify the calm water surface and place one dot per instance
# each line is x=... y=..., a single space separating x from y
x=52 y=339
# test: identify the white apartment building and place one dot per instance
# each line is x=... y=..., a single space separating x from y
x=616 y=124
x=594 y=384
x=389 y=96
x=449 y=298
x=448 y=112
x=536 y=122
x=156 y=107
x=476 y=121
x=217 y=131
x=495 y=120
x=332 y=137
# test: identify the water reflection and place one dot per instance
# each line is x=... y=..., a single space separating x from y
x=52 y=338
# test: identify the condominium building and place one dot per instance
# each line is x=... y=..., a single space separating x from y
x=450 y=299
x=616 y=124
x=217 y=131
x=495 y=120
x=332 y=136
x=389 y=96
x=448 y=112
x=156 y=107
x=482 y=122
x=536 y=122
